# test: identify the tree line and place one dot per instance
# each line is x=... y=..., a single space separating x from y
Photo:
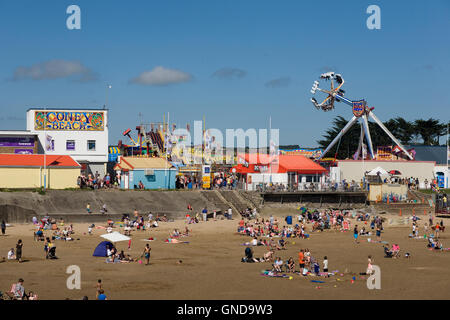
x=417 y=132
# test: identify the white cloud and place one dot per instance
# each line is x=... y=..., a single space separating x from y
x=55 y=69
x=161 y=76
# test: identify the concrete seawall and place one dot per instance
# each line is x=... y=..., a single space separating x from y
x=21 y=206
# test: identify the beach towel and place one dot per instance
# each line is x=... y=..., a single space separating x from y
x=272 y=274
x=174 y=241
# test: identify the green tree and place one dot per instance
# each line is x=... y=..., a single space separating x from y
x=429 y=130
x=348 y=143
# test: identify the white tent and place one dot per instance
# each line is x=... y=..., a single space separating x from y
x=374 y=172
x=115 y=237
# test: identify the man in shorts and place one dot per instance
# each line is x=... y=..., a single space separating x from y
x=301 y=260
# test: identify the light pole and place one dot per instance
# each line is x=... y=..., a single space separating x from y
x=45 y=148
x=106 y=100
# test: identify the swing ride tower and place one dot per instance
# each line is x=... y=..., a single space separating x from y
x=361 y=113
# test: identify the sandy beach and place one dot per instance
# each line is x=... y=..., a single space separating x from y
x=212 y=267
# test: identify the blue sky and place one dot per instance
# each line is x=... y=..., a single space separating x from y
x=235 y=62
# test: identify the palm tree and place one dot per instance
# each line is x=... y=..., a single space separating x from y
x=429 y=130
x=347 y=144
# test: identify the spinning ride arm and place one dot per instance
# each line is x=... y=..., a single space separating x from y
x=333 y=94
x=367 y=133
x=390 y=135
x=340 y=134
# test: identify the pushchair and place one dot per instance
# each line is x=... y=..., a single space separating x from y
x=52 y=253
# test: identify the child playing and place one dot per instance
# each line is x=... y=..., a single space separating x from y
x=325 y=264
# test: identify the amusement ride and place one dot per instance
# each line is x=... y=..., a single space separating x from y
x=361 y=112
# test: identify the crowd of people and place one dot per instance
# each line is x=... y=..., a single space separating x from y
x=221 y=181
x=273 y=234
x=269 y=233
x=95 y=181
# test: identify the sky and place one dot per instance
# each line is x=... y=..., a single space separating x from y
x=236 y=63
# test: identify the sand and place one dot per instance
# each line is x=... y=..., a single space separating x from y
x=212 y=267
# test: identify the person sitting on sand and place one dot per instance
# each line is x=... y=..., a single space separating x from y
x=11 y=254
x=277 y=265
x=254 y=242
x=282 y=244
x=19 y=291
x=127 y=230
x=431 y=242
x=268 y=256
x=290 y=266
x=175 y=234
x=363 y=232
x=249 y=255
x=273 y=246
x=438 y=245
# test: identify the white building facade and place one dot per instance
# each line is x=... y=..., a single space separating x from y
x=79 y=133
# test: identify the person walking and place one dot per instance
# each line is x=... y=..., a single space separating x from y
x=146 y=253
x=205 y=214
x=19 y=247
x=3 y=227
x=99 y=287
x=355 y=233
x=378 y=234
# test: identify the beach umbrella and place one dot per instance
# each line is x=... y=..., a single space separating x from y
x=115 y=237
x=395 y=172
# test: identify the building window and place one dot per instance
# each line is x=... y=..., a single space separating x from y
x=91 y=145
x=70 y=145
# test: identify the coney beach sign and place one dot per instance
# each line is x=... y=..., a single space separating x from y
x=69 y=120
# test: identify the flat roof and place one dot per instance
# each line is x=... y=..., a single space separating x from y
x=386 y=161
x=17 y=132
